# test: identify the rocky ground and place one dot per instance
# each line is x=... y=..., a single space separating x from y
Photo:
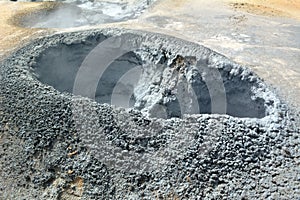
x=58 y=146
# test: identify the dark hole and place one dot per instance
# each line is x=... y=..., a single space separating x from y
x=58 y=66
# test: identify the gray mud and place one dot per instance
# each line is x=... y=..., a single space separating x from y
x=55 y=145
x=58 y=67
x=85 y=13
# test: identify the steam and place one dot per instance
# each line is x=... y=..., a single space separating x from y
x=84 y=13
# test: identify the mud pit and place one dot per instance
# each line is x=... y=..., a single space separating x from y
x=168 y=84
x=73 y=147
x=85 y=13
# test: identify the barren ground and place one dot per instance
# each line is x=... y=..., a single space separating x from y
x=262 y=34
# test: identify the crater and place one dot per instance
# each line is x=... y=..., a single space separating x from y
x=106 y=148
x=158 y=81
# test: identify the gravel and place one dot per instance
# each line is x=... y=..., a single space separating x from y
x=56 y=145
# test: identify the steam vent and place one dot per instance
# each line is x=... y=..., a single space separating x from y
x=67 y=14
x=122 y=114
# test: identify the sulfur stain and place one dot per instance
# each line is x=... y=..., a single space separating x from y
x=273 y=8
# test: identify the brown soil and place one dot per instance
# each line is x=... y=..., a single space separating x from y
x=282 y=8
x=12 y=35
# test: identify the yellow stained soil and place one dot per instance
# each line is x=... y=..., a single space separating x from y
x=283 y=8
x=75 y=190
x=12 y=35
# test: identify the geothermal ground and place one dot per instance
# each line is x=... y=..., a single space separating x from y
x=150 y=100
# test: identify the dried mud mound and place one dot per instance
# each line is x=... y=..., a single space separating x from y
x=167 y=119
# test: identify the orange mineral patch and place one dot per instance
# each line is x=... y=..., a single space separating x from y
x=76 y=187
